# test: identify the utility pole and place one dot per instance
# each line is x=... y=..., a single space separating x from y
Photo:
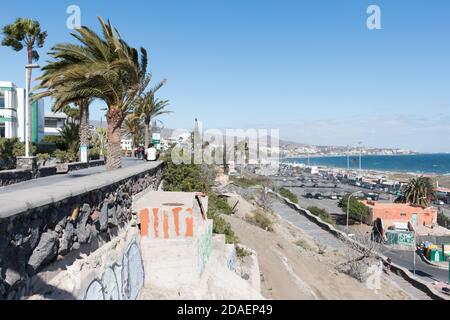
x=28 y=69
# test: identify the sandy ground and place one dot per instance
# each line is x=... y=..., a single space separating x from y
x=292 y=266
x=444 y=181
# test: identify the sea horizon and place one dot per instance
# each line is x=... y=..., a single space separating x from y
x=419 y=163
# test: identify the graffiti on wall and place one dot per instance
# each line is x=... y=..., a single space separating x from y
x=120 y=282
x=205 y=248
x=400 y=238
x=167 y=223
x=232 y=260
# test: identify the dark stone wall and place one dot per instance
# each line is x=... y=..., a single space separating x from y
x=9 y=177
x=32 y=240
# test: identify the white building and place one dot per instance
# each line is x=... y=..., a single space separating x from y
x=125 y=144
x=11 y=109
x=54 y=122
x=12 y=114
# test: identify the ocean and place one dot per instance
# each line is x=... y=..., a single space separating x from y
x=418 y=163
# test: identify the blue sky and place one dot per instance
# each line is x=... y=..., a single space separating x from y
x=310 y=68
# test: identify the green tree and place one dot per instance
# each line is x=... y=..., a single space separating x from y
x=357 y=209
x=148 y=107
x=26 y=33
x=419 y=191
x=104 y=68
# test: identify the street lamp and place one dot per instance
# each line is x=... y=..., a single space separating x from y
x=28 y=69
x=348 y=204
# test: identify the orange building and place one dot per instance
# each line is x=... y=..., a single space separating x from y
x=401 y=212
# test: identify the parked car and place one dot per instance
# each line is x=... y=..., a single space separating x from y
x=318 y=196
x=309 y=196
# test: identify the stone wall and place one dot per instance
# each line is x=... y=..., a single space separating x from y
x=9 y=177
x=38 y=238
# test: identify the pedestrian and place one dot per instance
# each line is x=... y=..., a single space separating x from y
x=151 y=153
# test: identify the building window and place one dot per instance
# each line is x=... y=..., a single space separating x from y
x=2 y=100
x=51 y=123
x=2 y=130
x=403 y=214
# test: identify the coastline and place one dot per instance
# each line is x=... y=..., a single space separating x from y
x=442 y=179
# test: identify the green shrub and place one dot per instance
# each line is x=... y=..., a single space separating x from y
x=288 y=194
x=249 y=182
x=357 y=209
x=261 y=220
x=322 y=214
x=443 y=220
x=58 y=141
x=65 y=156
x=43 y=157
x=241 y=252
x=10 y=149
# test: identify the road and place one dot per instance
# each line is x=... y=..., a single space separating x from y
x=326 y=238
x=71 y=176
x=402 y=258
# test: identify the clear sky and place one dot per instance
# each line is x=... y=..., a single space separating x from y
x=310 y=68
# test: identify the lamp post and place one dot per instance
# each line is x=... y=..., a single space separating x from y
x=348 y=204
x=28 y=69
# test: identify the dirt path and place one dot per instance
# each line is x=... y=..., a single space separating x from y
x=293 y=266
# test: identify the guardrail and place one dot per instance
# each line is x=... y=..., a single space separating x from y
x=404 y=273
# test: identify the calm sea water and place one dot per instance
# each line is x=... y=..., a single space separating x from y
x=420 y=163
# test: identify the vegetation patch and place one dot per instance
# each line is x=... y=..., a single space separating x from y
x=357 y=210
x=261 y=220
x=288 y=194
x=322 y=214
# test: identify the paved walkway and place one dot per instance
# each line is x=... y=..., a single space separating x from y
x=325 y=238
x=18 y=198
x=310 y=228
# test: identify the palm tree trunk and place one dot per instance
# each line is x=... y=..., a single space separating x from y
x=147 y=135
x=115 y=118
x=84 y=128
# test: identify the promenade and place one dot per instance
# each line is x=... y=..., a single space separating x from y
x=35 y=193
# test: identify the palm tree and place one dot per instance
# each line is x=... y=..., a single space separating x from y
x=148 y=107
x=419 y=191
x=26 y=33
x=133 y=126
x=104 y=68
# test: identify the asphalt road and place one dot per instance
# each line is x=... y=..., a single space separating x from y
x=423 y=270
x=72 y=176
x=402 y=258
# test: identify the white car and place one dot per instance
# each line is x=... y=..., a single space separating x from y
x=439 y=202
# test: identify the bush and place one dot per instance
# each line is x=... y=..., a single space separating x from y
x=288 y=194
x=10 y=149
x=65 y=156
x=443 y=220
x=58 y=141
x=357 y=209
x=249 y=182
x=322 y=214
x=259 y=219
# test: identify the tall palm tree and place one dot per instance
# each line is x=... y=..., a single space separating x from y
x=104 y=68
x=419 y=191
x=148 y=107
x=26 y=33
